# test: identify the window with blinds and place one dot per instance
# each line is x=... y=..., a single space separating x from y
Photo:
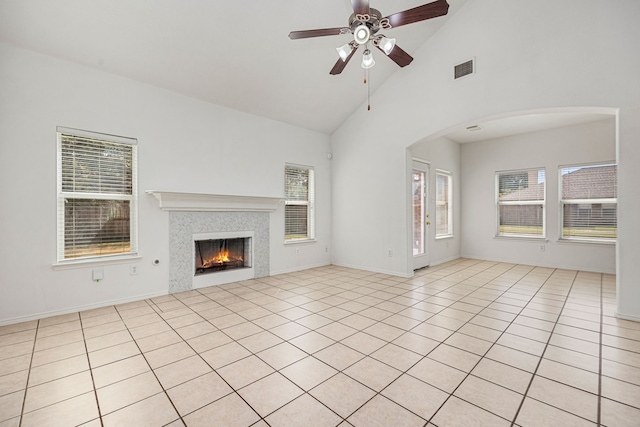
x=299 y=191
x=588 y=202
x=444 y=215
x=97 y=195
x=520 y=203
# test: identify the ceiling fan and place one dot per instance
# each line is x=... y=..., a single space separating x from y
x=365 y=23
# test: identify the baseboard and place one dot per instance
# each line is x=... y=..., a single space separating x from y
x=627 y=317
x=300 y=268
x=42 y=315
x=539 y=264
x=373 y=270
x=442 y=261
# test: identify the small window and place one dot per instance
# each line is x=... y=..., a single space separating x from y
x=97 y=195
x=520 y=202
x=444 y=214
x=588 y=202
x=299 y=206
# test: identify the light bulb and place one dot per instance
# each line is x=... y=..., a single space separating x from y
x=361 y=34
x=367 y=59
x=387 y=45
x=344 y=51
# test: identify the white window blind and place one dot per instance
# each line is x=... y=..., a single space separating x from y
x=520 y=202
x=299 y=221
x=588 y=202
x=97 y=195
x=444 y=214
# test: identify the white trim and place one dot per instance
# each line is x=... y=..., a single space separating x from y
x=299 y=268
x=96 y=261
x=522 y=237
x=81 y=308
x=298 y=241
x=97 y=135
x=630 y=317
x=197 y=202
x=442 y=261
x=375 y=270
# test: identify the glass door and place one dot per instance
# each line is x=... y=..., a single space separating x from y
x=419 y=184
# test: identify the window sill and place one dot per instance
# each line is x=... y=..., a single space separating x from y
x=448 y=236
x=300 y=241
x=586 y=242
x=94 y=262
x=522 y=238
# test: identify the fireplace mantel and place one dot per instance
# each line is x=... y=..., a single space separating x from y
x=197 y=202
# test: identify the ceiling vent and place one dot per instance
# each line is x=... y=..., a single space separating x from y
x=464 y=69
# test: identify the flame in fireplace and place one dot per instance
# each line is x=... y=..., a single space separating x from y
x=221 y=258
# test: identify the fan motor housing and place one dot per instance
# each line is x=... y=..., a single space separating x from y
x=372 y=21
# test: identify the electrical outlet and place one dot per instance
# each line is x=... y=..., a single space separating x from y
x=297 y=251
x=133 y=270
x=390 y=252
x=97 y=274
x=542 y=248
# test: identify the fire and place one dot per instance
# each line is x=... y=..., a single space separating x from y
x=221 y=258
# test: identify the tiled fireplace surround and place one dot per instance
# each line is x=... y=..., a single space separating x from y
x=195 y=213
x=183 y=225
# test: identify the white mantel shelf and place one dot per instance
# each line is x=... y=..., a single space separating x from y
x=197 y=202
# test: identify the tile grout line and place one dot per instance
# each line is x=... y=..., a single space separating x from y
x=524 y=397
x=93 y=382
x=492 y=344
x=148 y=364
x=453 y=332
x=382 y=284
x=234 y=391
x=599 y=419
x=26 y=385
x=379 y=393
x=336 y=341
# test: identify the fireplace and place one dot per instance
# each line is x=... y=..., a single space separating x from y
x=222 y=258
x=213 y=255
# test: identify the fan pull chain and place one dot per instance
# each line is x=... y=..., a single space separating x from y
x=368 y=81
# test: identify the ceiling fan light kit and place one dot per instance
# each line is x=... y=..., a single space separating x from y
x=364 y=24
x=361 y=34
x=385 y=44
x=367 y=60
x=344 y=51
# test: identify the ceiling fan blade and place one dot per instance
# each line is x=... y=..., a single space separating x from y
x=305 y=34
x=420 y=13
x=398 y=56
x=360 y=7
x=340 y=65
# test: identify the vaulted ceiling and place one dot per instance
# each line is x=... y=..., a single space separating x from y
x=232 y=53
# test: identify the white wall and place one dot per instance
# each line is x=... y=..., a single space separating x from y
x=444 y=154
x=184 y=145
x=530 y=56
x=550 y=149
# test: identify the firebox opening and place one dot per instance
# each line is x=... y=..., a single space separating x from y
x=213 y=255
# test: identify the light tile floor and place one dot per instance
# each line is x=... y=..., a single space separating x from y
x=466 y=343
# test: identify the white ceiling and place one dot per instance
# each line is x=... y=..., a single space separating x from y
x=507 y=126
x=232 y=53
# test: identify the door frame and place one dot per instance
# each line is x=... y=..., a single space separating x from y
x=422 y=260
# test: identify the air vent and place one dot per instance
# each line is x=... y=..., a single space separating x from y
x=463 y=69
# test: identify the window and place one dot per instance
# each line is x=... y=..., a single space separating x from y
x=299 y=206
x=444 y=215
x=588 y=202
x=520 y=201
x=97 y=195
